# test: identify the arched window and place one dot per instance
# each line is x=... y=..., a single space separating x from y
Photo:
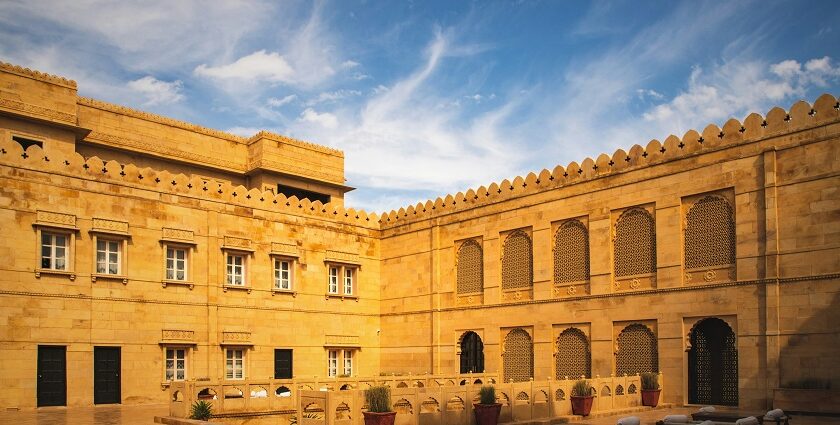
x=637 y=351
x=571 y=253
x=517 y=261
x=710 y=233
x=472 y=353
x=573 y=358
x=518 y=356
x=635 y=243
x=470 y=268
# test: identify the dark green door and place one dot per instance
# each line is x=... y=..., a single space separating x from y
x=52 y=375
x=282 y=363
x=106 y=375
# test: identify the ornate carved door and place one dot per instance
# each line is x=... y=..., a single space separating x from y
x=713 y=364
x=472 y=353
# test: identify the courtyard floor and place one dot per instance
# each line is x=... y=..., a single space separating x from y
x=144 y=415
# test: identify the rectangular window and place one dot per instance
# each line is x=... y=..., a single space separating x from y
x=348 y=362
x=282 y=274
x=348 y=281
x=176 y=364
x=176 y=263
x=332 y=363
x=108 y=256
x=235 y=363
x=235 y=270
x=53 y=251
x=333 y=287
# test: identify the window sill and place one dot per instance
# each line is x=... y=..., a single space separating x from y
x=291 y=292
x=186 y=283
x=71 y=275
x=341 y=296
x=237 y=287
x=95 y=276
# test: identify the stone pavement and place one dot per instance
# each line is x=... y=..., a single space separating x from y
x=99 y=415
x=650 y=417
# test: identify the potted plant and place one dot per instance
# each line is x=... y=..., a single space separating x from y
x=379 y=411
x=487 y=410
x=650 y=389
x=581 y=398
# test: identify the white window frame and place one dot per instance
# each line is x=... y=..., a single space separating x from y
x=348 y=362
x=111 y=247
x=174 y=359
x=122 y=256
x=233 y=364
x=54 y=248
x=66 y=230
x=234 y=271
x=186 y=262
x=277 y=268
x=332 y=363
x=342 y=280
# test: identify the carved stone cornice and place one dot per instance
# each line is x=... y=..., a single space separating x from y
x=178 y=235
x=55 y=219
x=38 y=111
x=103 y=225
x=237 y=244
x=295 y=142
x=236 y=338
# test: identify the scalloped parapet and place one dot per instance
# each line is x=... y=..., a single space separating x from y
x=296 y=142
x=93 y=168
x=801 y=116
x=37 y=75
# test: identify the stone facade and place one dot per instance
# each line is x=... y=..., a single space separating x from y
x=619 y=259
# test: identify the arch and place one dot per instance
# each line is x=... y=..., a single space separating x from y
x=206 y=394
x=619 y=390
x=477 y=382
x=463 y=382
x=430 y=405
x=540 y=397
x=713 y=364
x=517 y=261
x=233 y=392
x=518 y=357
x=472 y=353
x=574 y=356
x=522 y=398
x=342 y=412
x=709 y=233
x=571 y=252
x=470 y=268
x=631 y=389
x=455 y=404
x=259 y=392
x=559 y=395
x=419 y=384
x=283 y=391
x=634 y=245
x=402 y=384
x=637 y=351
x=605 y=391
x=503 y=399
x=313 y=408
x=178 y=396
x=404 y=407
x=346 y=387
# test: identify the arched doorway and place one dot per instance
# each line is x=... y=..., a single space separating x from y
x=472 y=353
x=713 y=364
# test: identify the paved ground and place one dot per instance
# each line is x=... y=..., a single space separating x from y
x=144 y=415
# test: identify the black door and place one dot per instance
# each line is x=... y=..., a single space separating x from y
x=106 y=375
x=283 y=363
x=713 y=364
x=472 y=353
x=52 y=375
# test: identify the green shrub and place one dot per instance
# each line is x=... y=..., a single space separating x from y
x=487 y=395
x=581 y=388
x=378 y=399
x=201 y=410
x=650 y=381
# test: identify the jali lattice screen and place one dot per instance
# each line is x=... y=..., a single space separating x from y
x=710 y=233
x=637 y=351
x=573 y=358
x=470 y=268
x=518 y=358
x=571 y=253
x=517 y=261
x=635 y=243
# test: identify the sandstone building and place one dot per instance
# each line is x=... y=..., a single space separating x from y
x=137 y=250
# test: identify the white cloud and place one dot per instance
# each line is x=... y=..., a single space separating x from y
x=324 y=119
x=276 y=103
x=256 y=67
x=333 y=96
x=244 y=131
x=348 y=64
x=157 y=92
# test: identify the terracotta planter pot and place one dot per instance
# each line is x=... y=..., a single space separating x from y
x=373 y=418
x=581 y=405
x=487 y=414
x=650 y=397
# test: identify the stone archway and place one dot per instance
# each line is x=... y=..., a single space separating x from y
x=713 y=364
x=472 y=353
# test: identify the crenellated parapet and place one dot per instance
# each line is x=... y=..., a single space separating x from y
x=801 y=116
x=37 y=75
x=94 y=169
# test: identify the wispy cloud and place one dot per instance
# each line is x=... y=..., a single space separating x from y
x=258 y=67
x=156 y=91
x=276 y=103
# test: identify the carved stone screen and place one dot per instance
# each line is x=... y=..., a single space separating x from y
x=709 y=233
x=713 y=364
x=518 y=356
x=573 y=358
x=635 y=243
x=517 y=261
x=571 y=253
x=470 y=268
x=637 y=351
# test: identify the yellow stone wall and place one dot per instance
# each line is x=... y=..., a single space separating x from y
x=780 y=297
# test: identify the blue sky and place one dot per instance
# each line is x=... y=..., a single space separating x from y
x=428 y=98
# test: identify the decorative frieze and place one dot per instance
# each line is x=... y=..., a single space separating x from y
x=286 y=249
x=55 y=219
x=103 y=225
x=342 y=257
x=178 y=235
x=236 y=338
x=177 y=335
x=341 y=341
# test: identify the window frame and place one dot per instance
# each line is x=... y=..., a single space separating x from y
x=189 y=252
x=122 y=259
x=276 y=271
x=175 y=348
x=242 y=362
x=246 y=255
x=332 y=362
x=340 y=280
x=234 y=270
x=347 y=359
x=70 y=250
